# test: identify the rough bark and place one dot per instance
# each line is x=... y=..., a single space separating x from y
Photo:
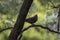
x=20 y=20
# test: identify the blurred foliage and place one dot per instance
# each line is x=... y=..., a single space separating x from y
x=47 y=16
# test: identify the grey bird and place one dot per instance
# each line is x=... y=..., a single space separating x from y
x=32 y=19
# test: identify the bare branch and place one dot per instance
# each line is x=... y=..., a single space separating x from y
x=3 y=29
x=33 y=25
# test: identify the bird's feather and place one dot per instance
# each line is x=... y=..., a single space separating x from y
x=32 y=19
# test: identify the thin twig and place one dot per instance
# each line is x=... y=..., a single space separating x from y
x=3 y=29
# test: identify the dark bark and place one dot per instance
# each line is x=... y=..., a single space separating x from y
x=20 y=20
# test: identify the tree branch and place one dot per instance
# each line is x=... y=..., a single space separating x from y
x=3 y=29
x=33 y=25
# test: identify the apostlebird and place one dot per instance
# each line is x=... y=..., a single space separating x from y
x=32 y=19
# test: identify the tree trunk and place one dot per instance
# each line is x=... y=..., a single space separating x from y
x=20 y=20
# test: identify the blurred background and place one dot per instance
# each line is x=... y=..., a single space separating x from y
x=47 y=16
